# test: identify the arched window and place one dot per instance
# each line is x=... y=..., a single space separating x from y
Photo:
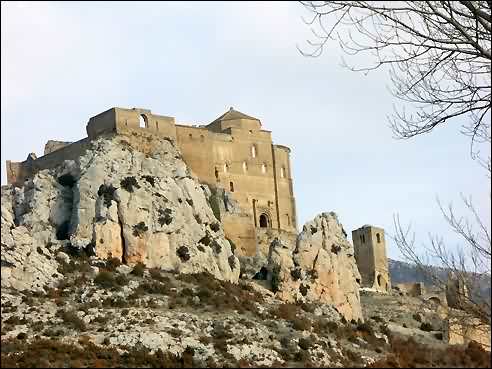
x=253 y=151
x=226 y=168
x=142 y=121
x=378 y=237
x=282 y=172
x=263 y=221
x=245 y=167
x=231 y=186
x=263 y=168
x=379 y=280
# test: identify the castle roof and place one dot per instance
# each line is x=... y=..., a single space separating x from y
x=232 y=115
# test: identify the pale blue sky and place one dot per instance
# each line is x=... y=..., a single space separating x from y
x=65 y=62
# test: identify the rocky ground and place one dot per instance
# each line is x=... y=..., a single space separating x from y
x=105 y=314
x=178 y=300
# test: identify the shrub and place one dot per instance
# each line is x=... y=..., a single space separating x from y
x=301 y=324
x=165 y=216
x=296 y=274
x=305 y=343
x=303 y=289
x=149 y=179
x=183 y=253
x=427 y=327
x=71 y=319
x=139 y=229
x=232 y=261
x=107 y=192
x=22 y=336
x=275 y=278
x=216 y=247
x=365 y=327
x=156 y=274
x=417 y=317
x=112 y=263
x=138 y=269
x=129 y=183
x=105 y=279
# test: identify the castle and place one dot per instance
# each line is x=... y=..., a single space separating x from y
x=232 y=153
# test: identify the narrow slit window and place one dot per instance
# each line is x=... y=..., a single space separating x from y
x=231 y=186
x=378 y=237
x=253 y=151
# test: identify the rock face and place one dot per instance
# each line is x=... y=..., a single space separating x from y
x=28 y=238
x=320 y=268
x=130 y=197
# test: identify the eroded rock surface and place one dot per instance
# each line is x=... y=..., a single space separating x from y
x=130 y=197
x=320 y=268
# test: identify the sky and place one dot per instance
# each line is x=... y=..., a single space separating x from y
x=64 y=62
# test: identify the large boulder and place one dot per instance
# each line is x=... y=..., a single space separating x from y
x=320 y=268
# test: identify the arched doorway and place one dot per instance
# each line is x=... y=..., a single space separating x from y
x=263 y=221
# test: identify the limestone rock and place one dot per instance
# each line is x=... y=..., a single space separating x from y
x=128 y=197
x=27 y=262
x=320 y=268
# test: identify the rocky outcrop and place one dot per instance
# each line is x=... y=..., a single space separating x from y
x=320 y=268
x=130 y=197
x=28 y=237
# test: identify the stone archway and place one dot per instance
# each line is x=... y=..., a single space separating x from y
x=264 y=221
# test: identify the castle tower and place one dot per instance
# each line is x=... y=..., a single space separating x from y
x=370 y=254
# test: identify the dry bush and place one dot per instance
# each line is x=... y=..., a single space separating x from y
x=52 y=353
x=408 y=353
x=71 y=319
x=138 y=269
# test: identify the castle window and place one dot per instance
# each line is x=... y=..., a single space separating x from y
x=226 y=168
x=363 y=239
x=202 y=138
x=191 y=136
x=263 y=221
x=156 y=125
x=231 y=186
x=378 y=237
x=245 y=167
x=288 y=219
x=379 y=280
x=217 y=174
x=282 y=172
x=263 y=168
x=142 y=120
x=253 y=151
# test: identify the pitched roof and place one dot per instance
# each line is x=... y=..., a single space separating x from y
x=233 y=114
